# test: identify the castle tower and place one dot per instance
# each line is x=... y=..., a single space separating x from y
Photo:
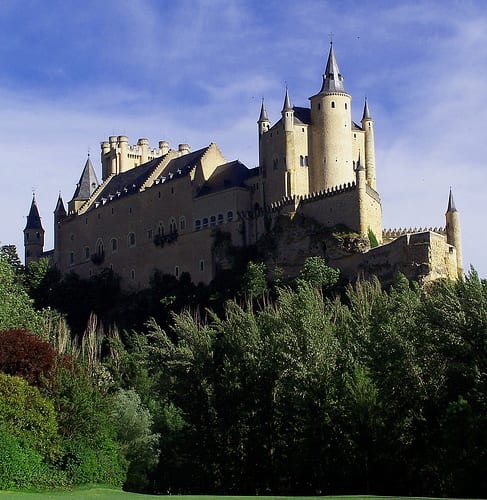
x=453 y=232
x=263 y=121
x=361 y=180
x=368 y=127
x=330 y=157
x=33 y=234
x=287 y=114
x=59 y=215
x=87 y=184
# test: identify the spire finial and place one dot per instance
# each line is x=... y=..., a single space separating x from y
x=332 y=78
x=331 y=37
x=451 y=203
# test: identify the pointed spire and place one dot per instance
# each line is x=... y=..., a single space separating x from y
x=451 y=203
x=33 y=219
x=88 y=182
x=60 y=211
x=359 y=166
x=263 y=113
x=366 y=115
x=287 y=102
x=332 y=78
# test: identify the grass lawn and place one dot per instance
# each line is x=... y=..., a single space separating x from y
x=109 y=494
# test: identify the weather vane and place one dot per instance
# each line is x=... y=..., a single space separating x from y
x=331 y=38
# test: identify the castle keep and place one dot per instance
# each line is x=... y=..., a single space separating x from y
x=314 y=190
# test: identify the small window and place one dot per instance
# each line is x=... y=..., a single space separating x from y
x=197 y=225
x=87 y=252
x=301 y=160
x=229 y=216
x=132 y=274
x=212 y=220
x=182 y=223
x=220 y=218
x=149 y=234
x=332 y=104
x=172 y=225
x=346 y=106
x=113 y=211
x=160 y=229
x=130 y=210
x=38 y=235
x=176 y=271
x=159 y=194
x=205 y=223
x=99 y=247
x=131 y=239
x=114 y=244
x=71 y=258
x=319 y=105
x=202 y=265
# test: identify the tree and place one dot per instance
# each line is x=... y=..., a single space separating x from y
x=318 y=274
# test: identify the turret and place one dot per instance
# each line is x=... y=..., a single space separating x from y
x=368 y=127
x=59 y=215
x=86 y=186
x=287 y=114
x=331 y=158
x=263 y=121
x=361 y=180
x=33 y=234
x=123 y=145
x=163 y=147
x=144 y=150
x=453 y=232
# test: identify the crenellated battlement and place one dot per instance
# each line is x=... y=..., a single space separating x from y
x=392 y=234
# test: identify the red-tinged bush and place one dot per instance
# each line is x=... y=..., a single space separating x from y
x=26 y=355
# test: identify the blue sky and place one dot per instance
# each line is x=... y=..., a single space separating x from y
x=194 y=71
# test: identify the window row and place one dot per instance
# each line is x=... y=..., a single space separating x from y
x=212 y=221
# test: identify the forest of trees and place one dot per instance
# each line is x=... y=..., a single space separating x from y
x=302 y=386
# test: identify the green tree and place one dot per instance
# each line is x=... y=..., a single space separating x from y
x=318 y=274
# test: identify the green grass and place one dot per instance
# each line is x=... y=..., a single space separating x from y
x=109 y=494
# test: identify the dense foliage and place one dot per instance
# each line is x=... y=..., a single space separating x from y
x=292 y=387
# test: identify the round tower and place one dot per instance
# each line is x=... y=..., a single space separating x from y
x=263 y=121
x=331 y=158
x=33 y=234
x=361 y=180
x=368 y=127
x=144 y=150
x=123 y=144
x=454 y=233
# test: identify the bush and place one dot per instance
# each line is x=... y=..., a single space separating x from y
x=22 y=467
x=26 y=355
x=29 y=416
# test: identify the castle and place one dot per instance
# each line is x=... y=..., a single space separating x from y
x=314 y=189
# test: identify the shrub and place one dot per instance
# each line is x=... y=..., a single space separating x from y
x=26 y=355
x=29 y=416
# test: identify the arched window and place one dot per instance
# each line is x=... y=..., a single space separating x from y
x=114 y=244
x=332 y=104
x=205 y=223
x=220 y=218
x=212 y=220
x=87 y=253
x=99 y=247
x=301 y=160
x=173 y=227
x=346 y=106
x=197 y=225
x=229 y=216
x=182 y=223
x=131 y=239
x=202 y=265
x=160 y=229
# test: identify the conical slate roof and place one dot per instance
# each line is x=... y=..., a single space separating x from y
x=451 y=203
x=60 y=211
x=263 y=113
x=366 y=115
x=88 y=182
x=332 y=78
x=287 y=102
x=33 y=219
